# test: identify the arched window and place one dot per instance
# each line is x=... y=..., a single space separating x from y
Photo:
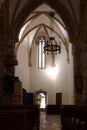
x=41 y=54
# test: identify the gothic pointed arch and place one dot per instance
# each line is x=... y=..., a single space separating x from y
x=41 y=32
x=27 y=10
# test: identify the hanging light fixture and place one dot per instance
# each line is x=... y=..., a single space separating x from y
x=52 y=46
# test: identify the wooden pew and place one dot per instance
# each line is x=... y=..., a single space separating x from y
x=74 y=117
x=13 y=120
x=33 y=113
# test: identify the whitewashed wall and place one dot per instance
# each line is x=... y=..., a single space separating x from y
x=52 y=80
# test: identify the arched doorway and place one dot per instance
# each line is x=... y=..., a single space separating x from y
x=41 y=99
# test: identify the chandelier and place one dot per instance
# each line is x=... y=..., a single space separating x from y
x=52 y=47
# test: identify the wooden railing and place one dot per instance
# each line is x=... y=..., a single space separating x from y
x=74 y=117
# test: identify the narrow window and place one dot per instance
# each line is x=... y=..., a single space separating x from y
x=41 y=55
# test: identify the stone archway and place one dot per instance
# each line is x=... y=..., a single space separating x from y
x=20 y=24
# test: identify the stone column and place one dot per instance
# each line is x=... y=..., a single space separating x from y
x=80 y=73
x=83 y=59
x=2 y=53
x=11 y=60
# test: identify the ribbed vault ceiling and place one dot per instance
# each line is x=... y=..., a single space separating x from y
x=72 y=12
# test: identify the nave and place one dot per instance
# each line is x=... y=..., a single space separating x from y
x=50 y=122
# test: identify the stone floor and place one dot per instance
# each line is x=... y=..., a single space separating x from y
x=50 y=122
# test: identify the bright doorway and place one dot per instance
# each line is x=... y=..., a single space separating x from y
x=41 y=99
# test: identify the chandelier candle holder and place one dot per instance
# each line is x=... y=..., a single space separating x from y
x=52 y=47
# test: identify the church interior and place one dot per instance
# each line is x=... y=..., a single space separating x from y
x=43 y=58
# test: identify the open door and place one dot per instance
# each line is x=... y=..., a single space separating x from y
x=41 y=99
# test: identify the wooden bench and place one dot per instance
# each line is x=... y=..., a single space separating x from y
x=33 y=113
x=13 y=120
x=74 y=117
